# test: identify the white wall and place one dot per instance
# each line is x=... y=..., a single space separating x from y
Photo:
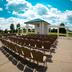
x=37 y=29
x=42 y=29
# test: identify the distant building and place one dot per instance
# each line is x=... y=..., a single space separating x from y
x=41 y=26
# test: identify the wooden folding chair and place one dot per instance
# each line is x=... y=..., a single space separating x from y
x=27 y=53
x=39 y=57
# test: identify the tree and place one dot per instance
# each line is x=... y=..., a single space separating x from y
x=62 y=30
x=18 y=25
x=18 y=28
x=6 y=31
x=33 y=30
x=29 y=30
x=24 y=30
x=53 y=30
x=1 y=31
x=12 y=28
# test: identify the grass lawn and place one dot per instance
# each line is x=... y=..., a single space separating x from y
x=70 y=34
x=61 y=34
x=51 y=33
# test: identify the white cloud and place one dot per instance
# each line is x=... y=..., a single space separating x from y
x=71 y=0
x=1 y=9
x=15 y=13
x=15 y=1
x=40 y=9
x=49 y=6
x=34 y=12
x=18 y=5
x=48 y=13
x=5 y=23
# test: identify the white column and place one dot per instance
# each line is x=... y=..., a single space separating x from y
x=42 y=28
x=58 y=31
x=22 y=31
x=36 y=30
x=66 y=32
x=18 y=31
x=48 y=29
x=26 y=28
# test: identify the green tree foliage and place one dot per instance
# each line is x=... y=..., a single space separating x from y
x=0 y=31
x=62 y=30
x=54 y=30
x=33 y=30
x=18 y=25
x=6 y=31
x=24 y=30
x=62 y=24
x=12 y=28
x=16 y=31
x=18 y=28
x=29 y=30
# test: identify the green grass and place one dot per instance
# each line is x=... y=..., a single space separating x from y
x=51 y=33
x=61 y=34
x=57 y=33
x=70 y=34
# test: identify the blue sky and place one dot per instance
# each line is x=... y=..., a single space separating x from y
x=60 y=4
x=18 y=11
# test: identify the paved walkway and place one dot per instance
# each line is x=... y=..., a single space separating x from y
x=62 y=59
x=6 y=65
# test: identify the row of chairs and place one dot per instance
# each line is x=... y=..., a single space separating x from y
x=39 y=37
x=29 y=54
x=44 y=38
x=34 y=44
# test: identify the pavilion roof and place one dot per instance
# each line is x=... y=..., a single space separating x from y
x=35 y=21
